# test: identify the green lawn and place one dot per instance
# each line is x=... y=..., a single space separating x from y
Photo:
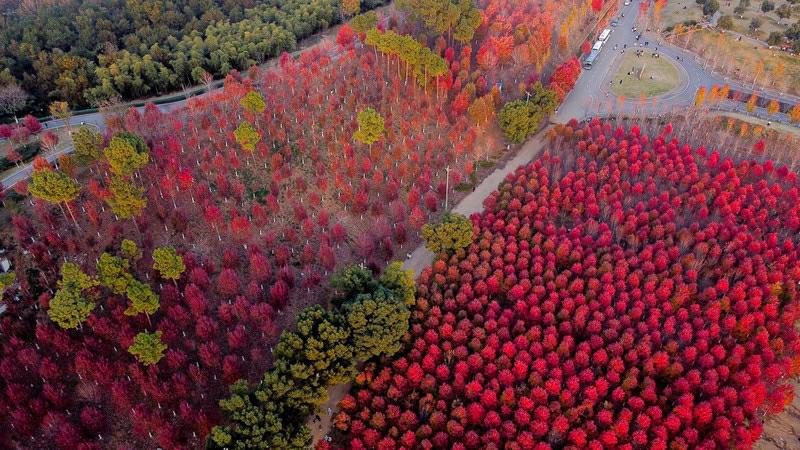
x=649 y=76
x=680 y=11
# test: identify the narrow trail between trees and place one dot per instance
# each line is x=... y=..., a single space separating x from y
x=422 y=257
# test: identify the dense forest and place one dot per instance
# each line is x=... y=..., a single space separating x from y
x=86 y=52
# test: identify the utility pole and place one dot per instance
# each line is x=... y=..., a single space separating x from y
x=446 y=186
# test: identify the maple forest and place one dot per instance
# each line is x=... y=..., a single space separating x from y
x=159 y=264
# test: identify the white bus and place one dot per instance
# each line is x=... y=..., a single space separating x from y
x=597 y=46
x=587 y=63
x=604 y=35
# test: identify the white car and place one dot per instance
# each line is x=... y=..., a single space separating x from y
x=627 y=2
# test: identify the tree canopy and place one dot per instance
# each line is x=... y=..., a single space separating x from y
x=521 y=118
x=370 y=127
x=148 y=348
x=84 y=52
x=454 y=233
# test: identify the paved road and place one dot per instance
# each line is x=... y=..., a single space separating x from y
x=592 y=96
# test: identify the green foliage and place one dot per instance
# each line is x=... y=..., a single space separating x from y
x=776 y=38
x=725 y=22
x=370 y=127
x=424 y=63
x=521 y=118
x=126 y=153
x=6 y=281
x=400 y=281
x=454 y=233
x=710 y=7
x=784 y=11
x=253 y=102
x=351 y=281
x=766 y=6
x=378 y=322
x=68 y=309
x=85 y=52
x=53 y=186
x=112 y=272
x=461 y=16
x=87 y=145
x=130 y=250
x=364 y=22
x=168 y=263
x=247 y=136
x=324 y=349
x=142 y=298
x=126 y=200
x=72 y=277
x=148 y=348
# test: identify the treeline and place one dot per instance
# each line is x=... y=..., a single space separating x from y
x=85 y=52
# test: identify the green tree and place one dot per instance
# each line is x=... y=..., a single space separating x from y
x=6 y=281
x=520 y=118
x=247 y=136
x=469 y=19
x=126 y=153
x=130 y=250
x=767 y=6
x=126 y=200
x=87 y=146
x=68 y=308
x=454 y=233
x=351 y=281
x=710 y=7
x=72 y=277
x=364 y=22
x=112 y=272
x=168 y=263
x=755 y=24
x=400 y=281
x=253 y=102
x=142 y=299
x=784 y=11
x=370 y=127
x=725 y=22
x=776 y=38
x=378 y=322
x=54 y=187
x=148 y=348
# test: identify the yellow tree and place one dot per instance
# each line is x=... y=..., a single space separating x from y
x=126 y=200
x=60 y=110
x=370 y=127
x=168 y=263
x=126 y=153
x=351 y=7
x=247 y=136
x=253 y=102
x=751 y=103
x=148 y=348
x=54 y=187
x=773 y=107
x=794 y=114
x=700 y=96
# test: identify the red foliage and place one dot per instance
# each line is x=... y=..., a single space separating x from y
x=631 y=319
